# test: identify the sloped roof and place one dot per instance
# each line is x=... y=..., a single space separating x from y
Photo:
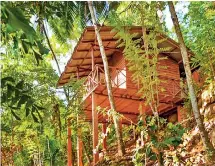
x=81 y=56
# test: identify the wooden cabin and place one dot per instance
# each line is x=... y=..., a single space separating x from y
x=86 y=62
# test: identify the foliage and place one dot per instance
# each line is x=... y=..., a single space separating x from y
x=18 y=35
x=156 y=138
x=17 y=95
x=199 y=28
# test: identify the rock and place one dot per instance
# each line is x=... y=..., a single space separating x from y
x=172 y=118
x=209 y=111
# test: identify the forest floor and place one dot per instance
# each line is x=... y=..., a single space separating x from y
x=189 y=153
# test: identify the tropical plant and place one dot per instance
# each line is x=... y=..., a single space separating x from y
x=156 y=139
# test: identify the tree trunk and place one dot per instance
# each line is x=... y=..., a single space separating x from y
x=121 y=148
x=204 y=135
x=55 y=58
x=87 y=155
x=160 y=159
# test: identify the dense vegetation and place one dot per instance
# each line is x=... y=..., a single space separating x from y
x=35 y=36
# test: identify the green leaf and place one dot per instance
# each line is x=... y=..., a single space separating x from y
x=43 y=50
x=37 y=56
x=10 y=90
x=29 y=103
x=20 y=84
x=27 y=112
x=16 y=116
x=5 y=80
x=34 y=117
x=3 y=98
x=40 y=117
x=38 y=107
x=17 y=21
x=17 y=93
x=23 y=100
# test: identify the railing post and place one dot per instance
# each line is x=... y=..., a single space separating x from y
x=92 y=57
x=98 y=76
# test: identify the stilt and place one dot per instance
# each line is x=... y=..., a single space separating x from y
x=104 y=128
x=79 y=147
x=69 y=145
x=94 y=118
x=95 y=128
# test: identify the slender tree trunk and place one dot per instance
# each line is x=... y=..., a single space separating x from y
x=85 y=151
x=50 y=155
x=160 y=159
x=204 y=135
x=55 y=58
x=121 y=148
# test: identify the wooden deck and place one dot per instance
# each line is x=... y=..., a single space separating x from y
x=127 y=100
x=127 y=105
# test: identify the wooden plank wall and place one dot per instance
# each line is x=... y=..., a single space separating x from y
x=169 y=74
x=171 y=70
x=168 y=71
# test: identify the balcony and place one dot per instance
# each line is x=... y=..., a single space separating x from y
x=97 y=78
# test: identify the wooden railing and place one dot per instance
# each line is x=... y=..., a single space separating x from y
x=97 y=77
x=118 y=80
x=172 y=88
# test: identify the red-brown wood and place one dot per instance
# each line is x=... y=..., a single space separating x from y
x=80 y=153
x=95 y=128
x=196 y=76
x=179 y=113
x=79 y=149
x=69 y=145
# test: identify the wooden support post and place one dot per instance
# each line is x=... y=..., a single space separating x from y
x=142 y=110
x=79 y=147
x=80 y=152
x=95 y=128
x=69 y=145
x=104 y=129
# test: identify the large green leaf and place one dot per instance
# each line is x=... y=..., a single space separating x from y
x=17 y=21
x=5 y=80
